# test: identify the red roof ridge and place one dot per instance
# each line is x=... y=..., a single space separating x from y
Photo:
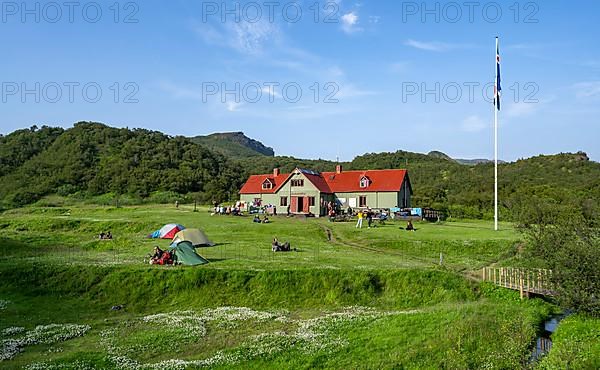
x=361 y=171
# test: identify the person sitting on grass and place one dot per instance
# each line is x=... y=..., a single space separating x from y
x=106 y=236
x=158 y=253
x=257 y=219
x=161 y=257
x=409 y=226
x=266 y=220
x=277 y=247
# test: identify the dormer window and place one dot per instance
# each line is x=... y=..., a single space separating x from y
x=365 y=182
x=267 y=185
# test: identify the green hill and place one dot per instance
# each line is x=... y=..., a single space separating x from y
x=234 y=144
x=93 y=159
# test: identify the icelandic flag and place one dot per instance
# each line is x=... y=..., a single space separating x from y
x=497 y=86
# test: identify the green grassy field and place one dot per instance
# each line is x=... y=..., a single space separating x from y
x=370 y=298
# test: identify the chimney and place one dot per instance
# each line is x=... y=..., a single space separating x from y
x=276 y=172
x=338 y=169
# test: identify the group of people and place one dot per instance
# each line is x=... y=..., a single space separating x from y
x=257 y=220
x=161 y=257
x=368 y=214
x=233 y=210
x=105 y=236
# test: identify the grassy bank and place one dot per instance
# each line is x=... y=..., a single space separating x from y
x=233 y=319
x=371 y=298
x=145 y=287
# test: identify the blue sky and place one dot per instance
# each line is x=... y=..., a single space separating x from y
x=171 y=61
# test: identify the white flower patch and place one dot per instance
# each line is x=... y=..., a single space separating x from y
x=310 y=336
x=187 y=320
x=14 y=330
x=46 y=334
x=79 y=365
x=4 y=304
x=228 y=316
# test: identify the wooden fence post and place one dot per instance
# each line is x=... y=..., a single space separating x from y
x=521 y=283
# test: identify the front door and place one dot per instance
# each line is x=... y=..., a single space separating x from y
x=300 y=204
x=306 y=205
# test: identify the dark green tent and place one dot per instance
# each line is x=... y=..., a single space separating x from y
x=185 y=254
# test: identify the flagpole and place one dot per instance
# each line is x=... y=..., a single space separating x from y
x=496 y=146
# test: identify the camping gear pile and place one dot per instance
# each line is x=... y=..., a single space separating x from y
x=182 y=250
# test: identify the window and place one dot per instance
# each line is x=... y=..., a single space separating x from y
x=365 y=182
x=297 y=183
x=267 y=185
x=362 y=201
x=283 y=202
x=311 y=201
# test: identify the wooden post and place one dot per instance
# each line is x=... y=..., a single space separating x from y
x=483 y=274
x=521 y=284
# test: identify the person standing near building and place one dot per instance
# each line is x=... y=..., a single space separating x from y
x=360 y=220
x=369 y=217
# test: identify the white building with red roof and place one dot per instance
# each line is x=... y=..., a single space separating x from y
x=309 y=192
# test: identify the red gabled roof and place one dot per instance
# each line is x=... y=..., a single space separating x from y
x=254 y=184
x=332 y=182
x=380 y=180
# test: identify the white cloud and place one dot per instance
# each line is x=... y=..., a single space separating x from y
x=473 y=124
x=587 y=90
x=250 y=38
x=350 y=22
x=232 y=106
x=432 y=45
x=244 y=37
x=270 y=91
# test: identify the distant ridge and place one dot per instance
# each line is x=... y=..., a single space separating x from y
x=234 y=144
x=468 y=162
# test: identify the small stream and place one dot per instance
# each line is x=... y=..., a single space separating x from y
x=543 y=343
